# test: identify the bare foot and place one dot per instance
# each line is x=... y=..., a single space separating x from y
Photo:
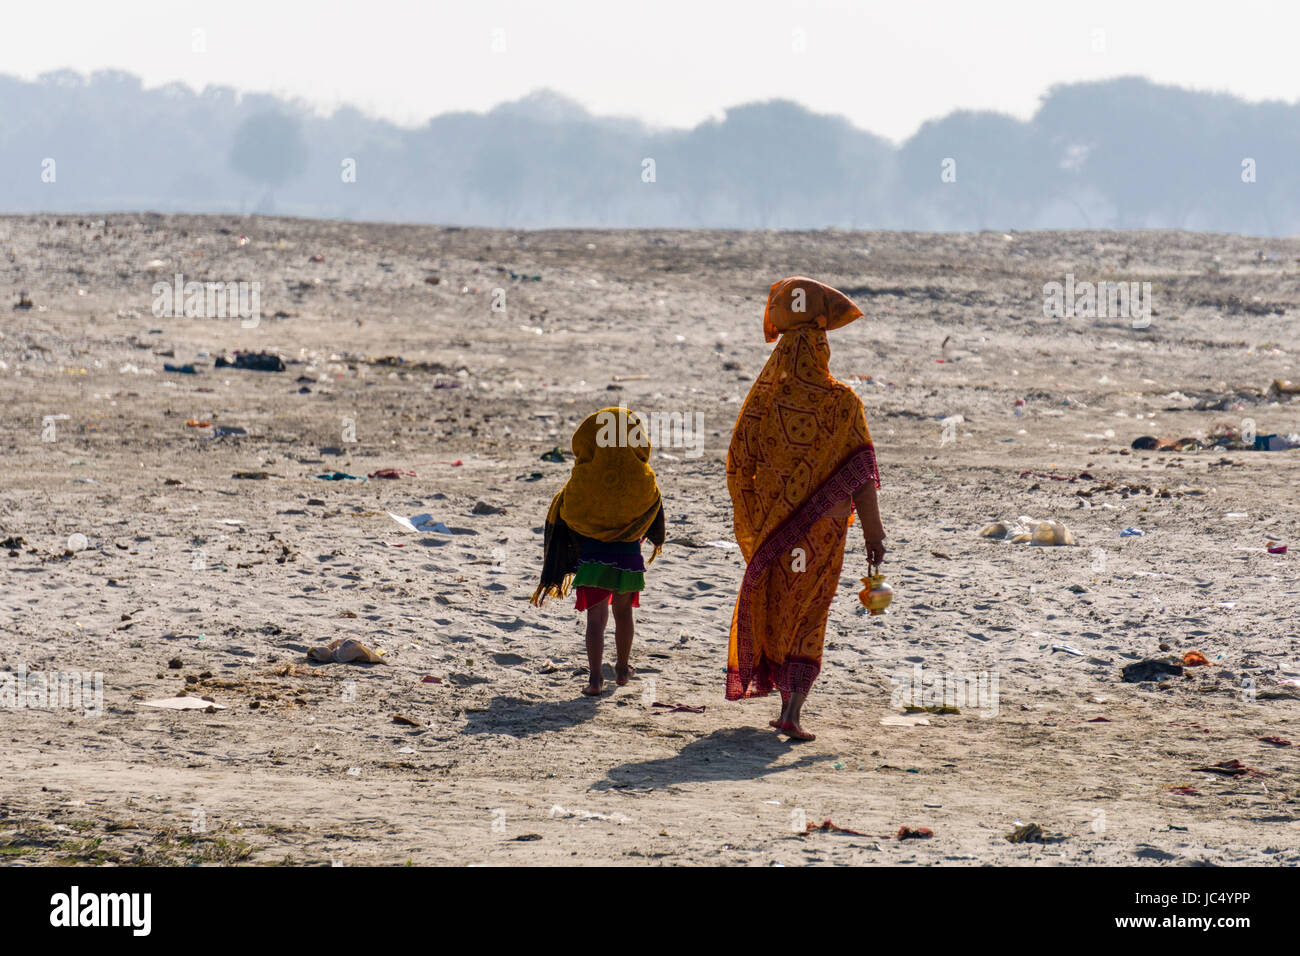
x=623 y=673
x=785 y=705
x=592 y=689
x=796 y=732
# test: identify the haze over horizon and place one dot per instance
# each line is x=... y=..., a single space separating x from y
x=887 y=69
x=796 y=114
x=1123 y=153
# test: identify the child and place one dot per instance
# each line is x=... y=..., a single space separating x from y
x=594 y=530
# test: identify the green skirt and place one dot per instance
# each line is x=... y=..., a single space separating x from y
x=592 y=574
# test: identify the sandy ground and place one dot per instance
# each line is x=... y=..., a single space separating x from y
x=191 y=580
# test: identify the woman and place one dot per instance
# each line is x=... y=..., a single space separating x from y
x=800 y=457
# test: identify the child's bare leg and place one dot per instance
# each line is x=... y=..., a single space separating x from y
x=597 y=617
x=624 y=625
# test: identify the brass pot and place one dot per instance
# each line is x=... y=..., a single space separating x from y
x=877 y=594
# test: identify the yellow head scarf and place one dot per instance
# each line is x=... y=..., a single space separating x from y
x=611 y=495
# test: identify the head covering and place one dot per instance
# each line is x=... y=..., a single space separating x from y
x=799 y=450
x=611 y=495
x=798 y=423
x=802 y=303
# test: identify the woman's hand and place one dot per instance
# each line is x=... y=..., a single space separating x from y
x=875 y=548
x=873 y=531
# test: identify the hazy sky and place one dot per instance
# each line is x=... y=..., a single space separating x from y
x=887 y=66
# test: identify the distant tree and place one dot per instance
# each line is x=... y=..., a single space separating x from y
x=269 y=150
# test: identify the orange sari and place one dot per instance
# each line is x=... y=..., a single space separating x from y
x=799 y=451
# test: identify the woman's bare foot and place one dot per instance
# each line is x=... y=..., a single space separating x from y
x=779 y=722
x=623 y=673
x=593 y=688
x=796 y=732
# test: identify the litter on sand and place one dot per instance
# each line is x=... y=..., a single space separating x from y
x=678 y=708
x=920 y=833
x=1131 y=533
x=904 y=720
x=339 y=476
x=252 y=361
x=345 y=650
x=417 y=523
x=1225 y=436
x=1149 y=670
x=1026 y=530
x=391 y=473
x=1152 y=443
x=183 y=703
x=1070 y=478
x=1067 y=649
x=1271 y=548
x=1029 y=833
x=1232 y=768
x=1195 y=659
x=560 y=813
x=826 y=826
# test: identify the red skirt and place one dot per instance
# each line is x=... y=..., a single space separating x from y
x=589 y=597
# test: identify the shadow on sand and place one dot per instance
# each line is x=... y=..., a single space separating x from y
x=523 y=718
x=733 y=753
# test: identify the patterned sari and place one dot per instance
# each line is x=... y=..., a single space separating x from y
x=799 y=451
